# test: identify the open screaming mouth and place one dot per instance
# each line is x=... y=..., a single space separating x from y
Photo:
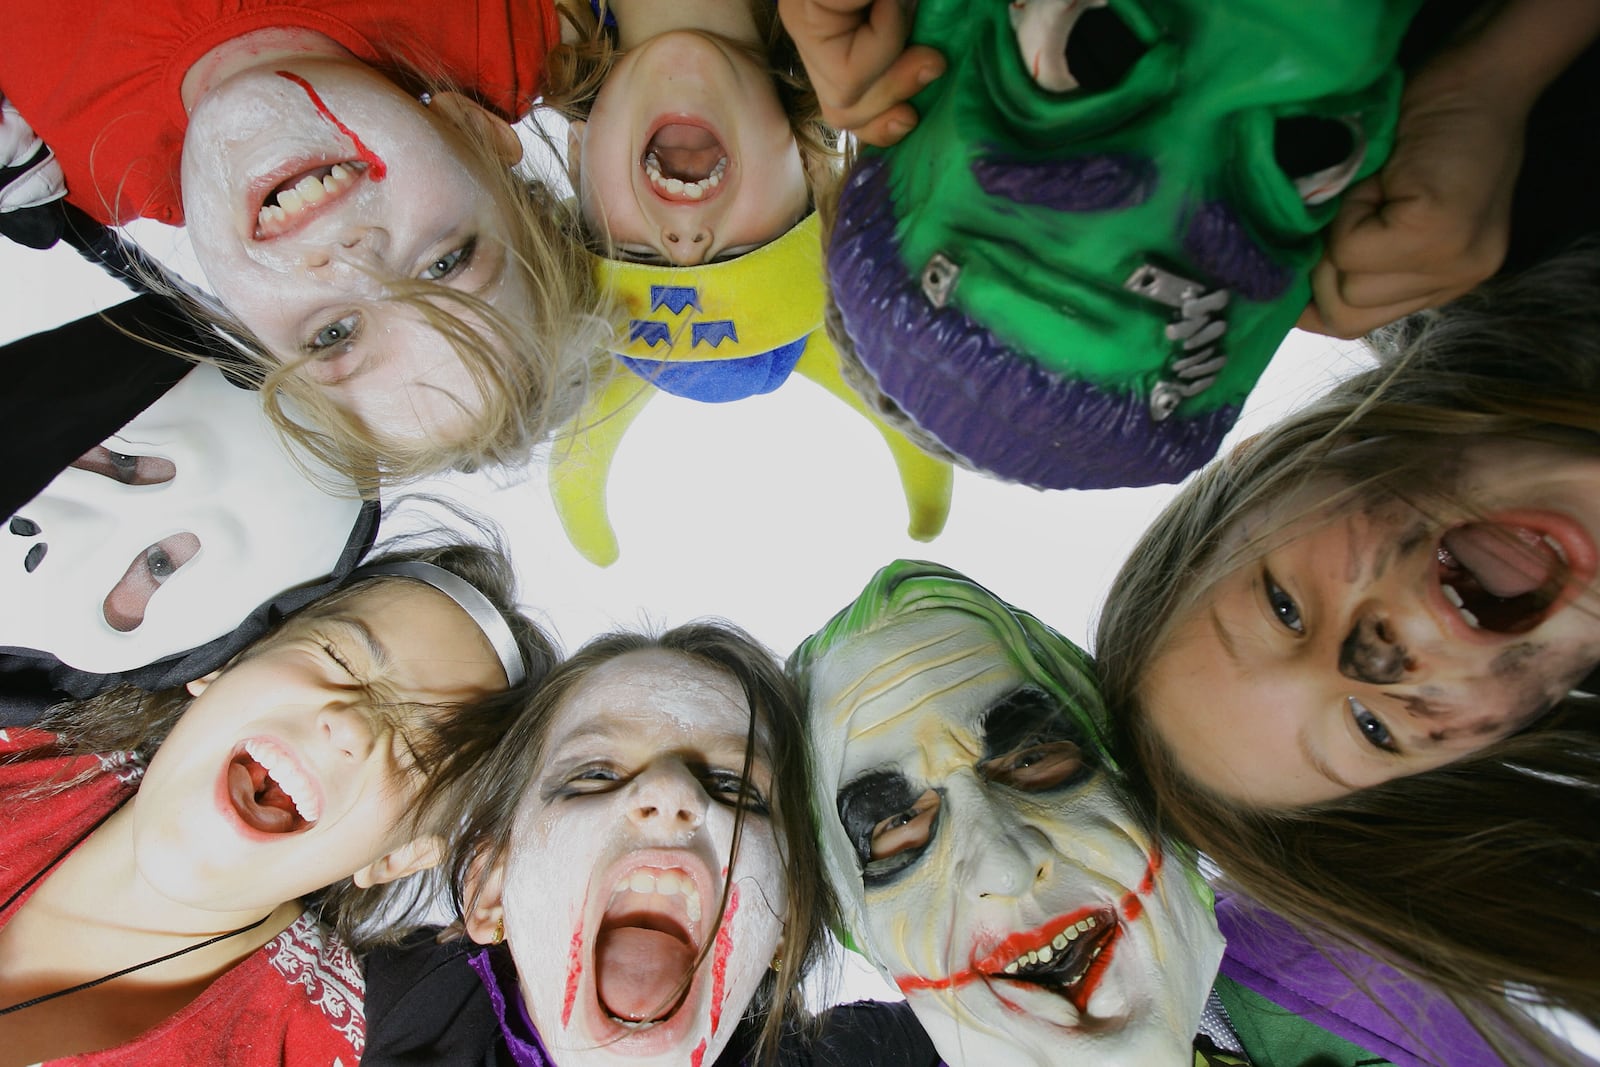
x=685 y=162
x=647 y=946
x=269 y=793
x=1501 y=577
x=296 y=200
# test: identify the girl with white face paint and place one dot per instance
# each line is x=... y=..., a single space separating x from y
x=642 y=847
x=163 y=849
x=985 y=858
x=360 y=224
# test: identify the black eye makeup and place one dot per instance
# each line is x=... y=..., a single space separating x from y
x=1031 y=744
x=889 y=821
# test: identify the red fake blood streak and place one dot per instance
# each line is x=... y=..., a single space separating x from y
x=574 y=969
x=376 y=170
x=698 y=1054
x=719 y=958
x=1132 y=906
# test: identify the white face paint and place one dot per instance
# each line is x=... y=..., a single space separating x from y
x=619 y=854
x=976 y=831
x=167 y=535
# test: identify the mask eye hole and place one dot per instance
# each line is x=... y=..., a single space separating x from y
x=1068 y=49
x=128 y=600
x=129 y=470
x=1320 y=155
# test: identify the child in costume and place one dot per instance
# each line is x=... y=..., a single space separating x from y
x=363 y=228
x=161 y=904
x=638 y=864
x=975 y=832
x=1073 y=270
x=1383 y=645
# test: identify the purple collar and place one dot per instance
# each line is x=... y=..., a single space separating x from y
x=521 y=1038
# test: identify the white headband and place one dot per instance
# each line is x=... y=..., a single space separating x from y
x=470 y=599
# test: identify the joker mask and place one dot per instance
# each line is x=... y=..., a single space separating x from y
x=1074 y=269
x=984 y=858
x=167 y=535
x=619 y=855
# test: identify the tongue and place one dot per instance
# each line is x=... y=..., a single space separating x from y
x=638 y=971
x=1507 y=561
x=269 y=810
x=688 y=153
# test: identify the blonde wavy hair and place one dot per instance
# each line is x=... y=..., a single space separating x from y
x=1474 y=876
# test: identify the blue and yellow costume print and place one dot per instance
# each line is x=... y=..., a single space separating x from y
x=716 y=333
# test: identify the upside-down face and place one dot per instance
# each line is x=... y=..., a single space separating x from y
x=1075 y=267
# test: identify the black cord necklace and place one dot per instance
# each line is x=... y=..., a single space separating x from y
x=80 y=987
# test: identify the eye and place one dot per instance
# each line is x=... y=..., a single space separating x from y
x=451 y=263
x=337 y=657
x=125 y=468
x=727 y=786
x=1320 y=155
x=334 y=334
x=1037 y=768
x=124 y=607
x=1282 y=605
x=1371 y=726
x=909 y=829
x=1068 y=49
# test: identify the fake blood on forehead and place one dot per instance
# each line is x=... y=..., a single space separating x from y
x=376 y=169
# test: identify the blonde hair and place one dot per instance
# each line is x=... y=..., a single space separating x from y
x=532 y=369
x=1472 y=876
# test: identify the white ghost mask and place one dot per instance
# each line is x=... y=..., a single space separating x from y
x=168 y=534
x=984 y=860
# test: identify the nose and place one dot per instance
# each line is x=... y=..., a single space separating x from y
x=667 y=799
x=1373 y=650
x=345 y=246
x=687 y=245
x=1003 y=859
x=348 y=728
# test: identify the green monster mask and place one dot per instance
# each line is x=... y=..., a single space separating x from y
x=1074 y=269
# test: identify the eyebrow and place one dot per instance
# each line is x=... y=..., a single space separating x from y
x=1321 y=765
x=375 y=648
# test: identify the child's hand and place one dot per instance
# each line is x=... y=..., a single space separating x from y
x=855 y=53
x=1432 y=224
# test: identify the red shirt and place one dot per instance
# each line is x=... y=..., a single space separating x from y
x=99 y=80
x=296 y=1000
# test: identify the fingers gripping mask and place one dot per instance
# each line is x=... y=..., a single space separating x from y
x=984 y=857
x=167 y=535
x=1074 y=269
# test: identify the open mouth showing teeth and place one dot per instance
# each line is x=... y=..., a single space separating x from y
x=291 y=201
x=269 y=792
x=647 y=946
x=685 y=162
x=1069 y=963
x=1500 y=577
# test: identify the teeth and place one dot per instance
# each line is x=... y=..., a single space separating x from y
x=1061 y=941
x=1011 y=968
x=1046 y=954
x=1451 y=595
x=307 y=191
x=678 y=187
x=295 y=785
x=663 y=883
x=1472 y=620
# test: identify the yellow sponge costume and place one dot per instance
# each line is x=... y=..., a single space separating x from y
x=715 y=333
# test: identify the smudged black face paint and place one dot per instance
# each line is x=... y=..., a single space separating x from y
x=1369 y=653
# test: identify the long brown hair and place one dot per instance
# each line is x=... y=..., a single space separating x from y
x=447 y=748
x=1478 y=875
x=488 y=808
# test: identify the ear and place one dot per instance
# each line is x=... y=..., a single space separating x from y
x=471 y=115
x=199 y=685
x=415 y=855
x=575 y=151
x=485 y=886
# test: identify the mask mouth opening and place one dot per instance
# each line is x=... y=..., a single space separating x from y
x=1321 y=156
x=1501 y=577
x=647 y=946
x=1066 y=956
x=270 y=794
x=1102 y=49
